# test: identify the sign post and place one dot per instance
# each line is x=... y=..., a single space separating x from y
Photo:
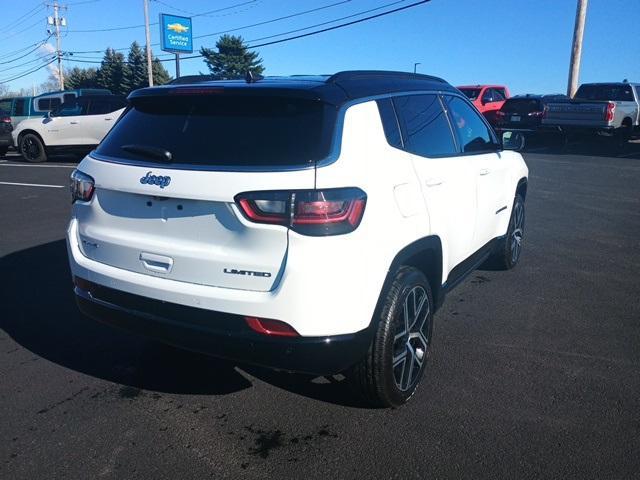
x=176 y=36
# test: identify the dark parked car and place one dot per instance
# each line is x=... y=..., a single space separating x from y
x=5 y=132
x=523 y=115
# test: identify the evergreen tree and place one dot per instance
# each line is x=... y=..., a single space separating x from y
x=136 y=69
x=232 y=58
x=160 y=74
x=80 y=78
x=112 y=72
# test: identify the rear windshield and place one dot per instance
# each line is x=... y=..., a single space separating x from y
x=521 y=105
x=225 y=130
x=471 y=93
x=616 y=93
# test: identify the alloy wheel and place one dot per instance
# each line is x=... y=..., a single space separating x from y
x=518 y=231
x=411 y=340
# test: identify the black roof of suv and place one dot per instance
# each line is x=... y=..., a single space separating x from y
x=336 y=89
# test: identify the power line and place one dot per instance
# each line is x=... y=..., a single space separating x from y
x=297 y=14
x=25 y=54
x=24 y=74
x=27 y=15
x=13 y=34
x=208 y=13
x=327 y=22
x=16 y=52
x=130 y=27
x=275 y=19
x=315 y=32
x=34 y=60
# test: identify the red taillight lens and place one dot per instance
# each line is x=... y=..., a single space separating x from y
x=82 y=186
x=610 y=112
x=273 y=328
x=309 y=212
x=5 y=119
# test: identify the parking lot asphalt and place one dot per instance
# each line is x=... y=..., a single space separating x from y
x=535 y=373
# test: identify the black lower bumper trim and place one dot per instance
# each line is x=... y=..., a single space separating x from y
x=218 y=334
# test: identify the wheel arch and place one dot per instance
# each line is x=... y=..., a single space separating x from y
x=522 y=188
x=424 y=254
x=33 y=132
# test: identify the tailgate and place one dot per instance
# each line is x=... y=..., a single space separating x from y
x=179 y=234
x=576 y=114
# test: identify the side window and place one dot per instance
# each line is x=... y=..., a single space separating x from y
x=499 y=95
x=424 y=126
x=72 y=109
x=473 y=133
x=48 y=104
x=389 y=122
x=19 y=107
x=487 y=96
x=68 y=97
x=5 y=105
x=100 y=107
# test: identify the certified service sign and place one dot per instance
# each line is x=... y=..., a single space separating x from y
x=175 y=34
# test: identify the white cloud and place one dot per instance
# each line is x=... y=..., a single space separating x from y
x=46 y=51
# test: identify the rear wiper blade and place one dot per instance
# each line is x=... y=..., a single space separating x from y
x=148 y=151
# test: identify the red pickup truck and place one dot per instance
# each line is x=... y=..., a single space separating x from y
x=486 y=98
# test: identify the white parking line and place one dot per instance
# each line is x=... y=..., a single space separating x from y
x=37 y=166
x=31 y=185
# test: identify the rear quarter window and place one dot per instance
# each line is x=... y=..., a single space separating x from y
x=226 y=130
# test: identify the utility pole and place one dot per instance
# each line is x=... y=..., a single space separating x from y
x=148 y=36
x=576 y=51
x=415 y=66
x=57 y=21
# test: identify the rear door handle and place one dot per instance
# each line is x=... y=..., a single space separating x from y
x=433 y=182
x=107 y=119
x=485 y=171
x=156 y=263
x=74 y=123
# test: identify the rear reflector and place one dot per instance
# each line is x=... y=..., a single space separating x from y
x=273 y=328
x=310 y=212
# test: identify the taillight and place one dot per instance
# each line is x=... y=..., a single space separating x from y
x=610 y=112
x=310 y=212
x=272 y=328
x=82 y=186
x=500 y=113
x=5 y=119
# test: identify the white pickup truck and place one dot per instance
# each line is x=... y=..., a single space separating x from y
x=76 y=127
x=609 y=109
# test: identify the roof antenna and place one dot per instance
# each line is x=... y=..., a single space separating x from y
x=250 y=77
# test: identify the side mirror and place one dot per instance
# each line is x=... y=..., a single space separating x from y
x=512 y=140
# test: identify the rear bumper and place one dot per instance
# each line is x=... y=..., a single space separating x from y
x=6 y=140
x=219 y=334
x=582 y=129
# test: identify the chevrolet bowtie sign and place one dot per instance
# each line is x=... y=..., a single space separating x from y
x=175 y=34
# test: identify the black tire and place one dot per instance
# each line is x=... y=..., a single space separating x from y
x=32 y=148
x=509 y=248
x=375 y=377
x=3 y=151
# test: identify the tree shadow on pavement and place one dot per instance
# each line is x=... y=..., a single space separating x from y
x=39 y=313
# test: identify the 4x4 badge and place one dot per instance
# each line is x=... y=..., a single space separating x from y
x=160 y=180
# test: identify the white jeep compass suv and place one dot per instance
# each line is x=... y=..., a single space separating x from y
x=309 y=224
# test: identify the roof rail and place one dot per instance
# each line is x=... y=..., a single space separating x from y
x=383 y=74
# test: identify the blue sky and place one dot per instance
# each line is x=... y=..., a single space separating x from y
x=524 y=44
